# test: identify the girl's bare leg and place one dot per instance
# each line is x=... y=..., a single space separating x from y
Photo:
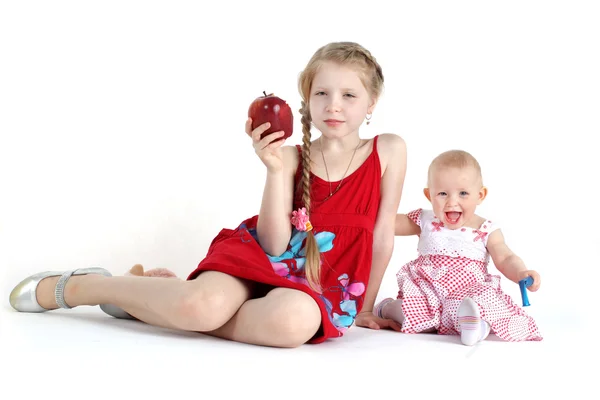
x=283 y=318
x=203 y=304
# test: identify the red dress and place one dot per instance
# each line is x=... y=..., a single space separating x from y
x=343 y=227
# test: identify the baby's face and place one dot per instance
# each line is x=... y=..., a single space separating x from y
x=455 y=193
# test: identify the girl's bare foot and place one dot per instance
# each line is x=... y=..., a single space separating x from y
x=136 y=270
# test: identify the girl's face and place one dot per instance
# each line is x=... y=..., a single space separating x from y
x=338 y=101
x=454 y=194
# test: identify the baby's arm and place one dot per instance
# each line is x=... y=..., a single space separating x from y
x=406 y=226
x=508 y=263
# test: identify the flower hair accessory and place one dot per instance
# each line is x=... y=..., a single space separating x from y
x=300 y=220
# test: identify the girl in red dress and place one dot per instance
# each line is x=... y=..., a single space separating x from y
x=309 y=265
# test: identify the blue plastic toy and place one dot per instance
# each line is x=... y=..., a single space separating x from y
x=525 y=283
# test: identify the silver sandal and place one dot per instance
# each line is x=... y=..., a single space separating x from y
x=116 y=312
x=23 y=297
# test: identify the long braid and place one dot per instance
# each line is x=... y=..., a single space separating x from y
x=312 y=267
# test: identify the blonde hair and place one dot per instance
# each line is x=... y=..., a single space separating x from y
x=347 y=54
x=454 y=159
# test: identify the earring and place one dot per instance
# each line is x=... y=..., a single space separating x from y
x=368 y=117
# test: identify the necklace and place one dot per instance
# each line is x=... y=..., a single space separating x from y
x=332 y=192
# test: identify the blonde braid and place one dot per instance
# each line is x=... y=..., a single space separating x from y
x=312 y=267
x=374 y=77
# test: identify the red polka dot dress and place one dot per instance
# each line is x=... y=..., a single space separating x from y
x=452 y=265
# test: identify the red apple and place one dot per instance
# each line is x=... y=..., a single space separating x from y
x=270 y=108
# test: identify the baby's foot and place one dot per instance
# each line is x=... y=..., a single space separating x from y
x=472 y=328
x=390 y=309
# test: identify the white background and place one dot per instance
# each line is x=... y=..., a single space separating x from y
x=122 y=125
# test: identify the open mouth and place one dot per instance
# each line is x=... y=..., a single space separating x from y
x=452 y=217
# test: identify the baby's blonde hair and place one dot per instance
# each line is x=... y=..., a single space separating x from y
x=454 y=159
x=347 y=54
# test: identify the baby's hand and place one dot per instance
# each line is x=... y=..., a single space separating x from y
x=537 y=280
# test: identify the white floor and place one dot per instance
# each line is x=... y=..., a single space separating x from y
x=83 y=353
x=122 y=142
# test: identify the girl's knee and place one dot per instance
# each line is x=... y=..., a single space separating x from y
x=197 y=311
x=295 y=318
x=210 y=301
x=202 y=310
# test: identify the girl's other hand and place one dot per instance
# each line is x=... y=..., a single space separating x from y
x=369 y=320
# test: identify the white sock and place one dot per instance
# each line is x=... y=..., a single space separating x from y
x=472 y=328
x=390 y=309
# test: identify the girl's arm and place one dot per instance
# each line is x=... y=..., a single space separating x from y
x=508 y=263
x=274 y=228
x=392 y=150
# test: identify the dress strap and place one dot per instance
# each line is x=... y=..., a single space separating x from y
x=489 y=226
x=415 y=216
x=484 y=231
